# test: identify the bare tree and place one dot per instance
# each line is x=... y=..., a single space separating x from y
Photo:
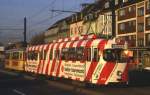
x=37 y=39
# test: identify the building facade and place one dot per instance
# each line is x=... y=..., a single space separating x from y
x=76 y=24
x=60 y=29
x=51 y=33
x=133 y=25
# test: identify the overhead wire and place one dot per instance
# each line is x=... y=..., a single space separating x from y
x=41 y=10
x=49 y=18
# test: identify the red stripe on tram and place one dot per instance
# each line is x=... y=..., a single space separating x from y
x=38 y=68
x=125 y=73
x=60 y=61
x=106 y=71
x=79 y=43
x=54 y=61
x=45 y=58
x=47 y=67
x=92 y=65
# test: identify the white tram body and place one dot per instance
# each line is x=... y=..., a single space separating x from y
x=87 y=58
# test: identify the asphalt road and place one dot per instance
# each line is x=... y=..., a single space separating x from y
x=16 y=84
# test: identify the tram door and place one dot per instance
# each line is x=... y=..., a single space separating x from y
x=57 y=60
x=42 y=60
x=94 y=63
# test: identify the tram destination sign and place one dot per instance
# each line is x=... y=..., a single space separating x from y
x=1 y=48
x=118 y=46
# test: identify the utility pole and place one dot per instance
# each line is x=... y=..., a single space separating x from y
x=112 y=4
x=25 y=31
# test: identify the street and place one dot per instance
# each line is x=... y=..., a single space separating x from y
x=16 y=84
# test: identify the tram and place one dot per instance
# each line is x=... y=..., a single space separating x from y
x=15 y=59
x=2 y=54
x=86 y=59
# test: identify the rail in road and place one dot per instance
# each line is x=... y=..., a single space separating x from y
x=16 y=84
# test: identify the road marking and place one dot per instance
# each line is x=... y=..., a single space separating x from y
x=74 y=88
x=29 y=77
x=9 y=73
x=18 y=92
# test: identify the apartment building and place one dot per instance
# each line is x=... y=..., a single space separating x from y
x=59 y=29
x=97 y=19
x=133 y=25
x=76 y=24
x=51 y=33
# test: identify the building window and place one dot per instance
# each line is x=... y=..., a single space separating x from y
x=122 y=12
x=147 y=39
x=147 y=26
x=140 y=42
x=127 y=27
x=116 y=2
x=75 y=31
x=124 y=1
x=130 y=9
x=148 y=21
x=141 y=11
x=122 y=26
x=107 y=5
x=71 y=31
x=131 y=40
x=140 y=27
x=130 y=26
x=147 y=5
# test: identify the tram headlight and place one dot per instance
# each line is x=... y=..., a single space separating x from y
x=126 y=52
x=119 y=73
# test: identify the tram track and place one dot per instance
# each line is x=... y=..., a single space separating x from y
x=23 y=80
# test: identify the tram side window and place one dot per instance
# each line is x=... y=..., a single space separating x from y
x=57 y=54
x=72 y=54
x=95 y=55
x=29 y=55
x=35 y=56
x=88 y=54
x=24 y=56
x=51 y=54
x=32 y=55
x=79 y=54
x=41 y=55
x=7 y=56
x=45 y=53
x=21 y=55
x=15 y=55
x=64 y=53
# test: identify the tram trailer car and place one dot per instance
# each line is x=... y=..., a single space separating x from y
x=85 y=59
x=2 y=56
x=15 y=59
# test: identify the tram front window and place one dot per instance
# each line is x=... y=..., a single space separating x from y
x=116 y=55
x=32 y=55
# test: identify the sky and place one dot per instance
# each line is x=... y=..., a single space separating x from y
x=38 y=13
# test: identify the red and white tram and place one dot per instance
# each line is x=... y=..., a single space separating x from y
x=86 y=58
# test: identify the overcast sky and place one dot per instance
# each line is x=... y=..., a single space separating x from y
x=39 y=16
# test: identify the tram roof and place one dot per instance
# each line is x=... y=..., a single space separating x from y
x=14 y=50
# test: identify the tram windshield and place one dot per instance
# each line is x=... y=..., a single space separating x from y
x=117 y=55
x=32 y=55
